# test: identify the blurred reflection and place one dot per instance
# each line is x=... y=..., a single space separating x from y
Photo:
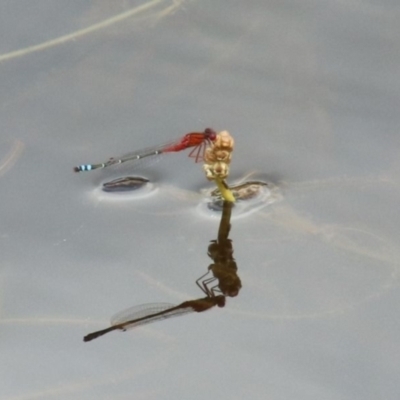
x=223 y=282
x=125 y=184
x=242 y=191
x=146 y=313
x=245 y=191
x=224 y=268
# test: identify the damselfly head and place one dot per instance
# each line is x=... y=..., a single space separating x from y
x=220 y=301
x=211 y=134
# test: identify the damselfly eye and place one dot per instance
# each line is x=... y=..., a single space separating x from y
x=212 y=135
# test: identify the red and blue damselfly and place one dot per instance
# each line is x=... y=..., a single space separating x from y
x=198 y=141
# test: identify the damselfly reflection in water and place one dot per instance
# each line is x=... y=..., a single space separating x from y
x=224 y=271
x=196 y=140
x=152 y=312
x=147 y=313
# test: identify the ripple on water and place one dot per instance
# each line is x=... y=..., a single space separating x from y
x=250 y=196
x=125 y=184
x=126 y=188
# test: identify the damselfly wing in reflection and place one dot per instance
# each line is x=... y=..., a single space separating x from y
x=147 y=313
x=196 y=140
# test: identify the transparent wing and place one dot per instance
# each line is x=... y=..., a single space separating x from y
x=147 y=313
x=147 y=151
x=197 y=140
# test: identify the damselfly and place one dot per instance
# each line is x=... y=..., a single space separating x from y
x=147 y=313
x=197 y=140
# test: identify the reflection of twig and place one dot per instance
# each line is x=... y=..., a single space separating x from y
x=224 y=268
x=11 y=157
x=72 y=36
x=225 y=224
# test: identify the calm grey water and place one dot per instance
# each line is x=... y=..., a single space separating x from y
x=310 y=92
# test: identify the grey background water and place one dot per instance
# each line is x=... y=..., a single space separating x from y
x=309 y=90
